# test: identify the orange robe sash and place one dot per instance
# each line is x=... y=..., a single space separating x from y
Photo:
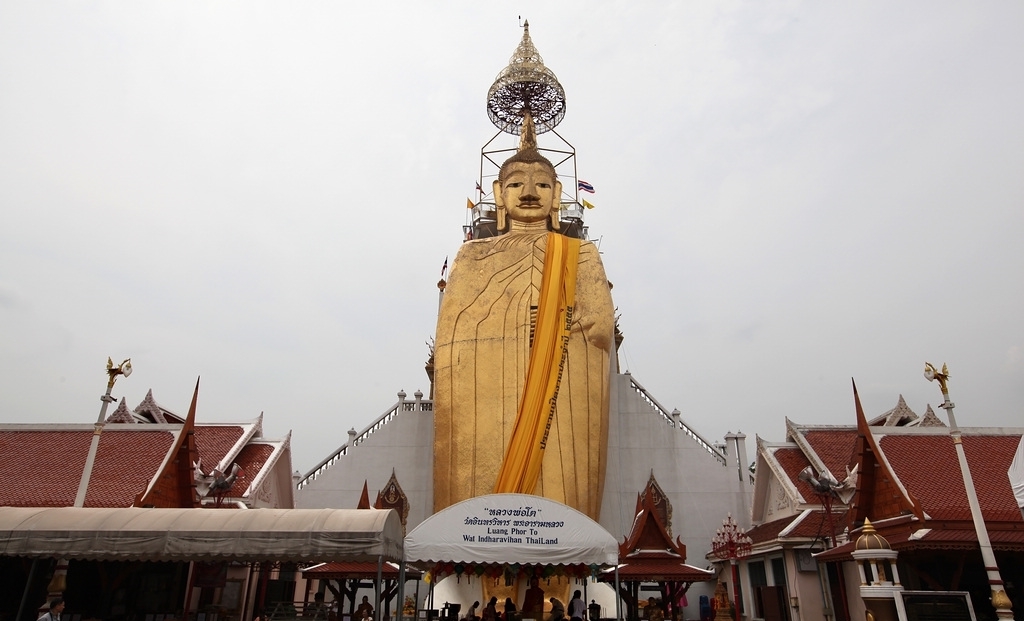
x=520 y=469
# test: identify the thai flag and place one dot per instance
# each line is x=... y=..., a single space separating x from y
x=583 y=185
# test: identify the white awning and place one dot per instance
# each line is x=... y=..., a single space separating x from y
x=201 y=534
x=1016 y=475
x=511 y=528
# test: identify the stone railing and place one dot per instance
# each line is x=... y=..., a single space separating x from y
x=674 y=419
x=418 y=404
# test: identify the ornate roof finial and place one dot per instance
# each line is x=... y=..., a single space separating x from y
x=870 y=539
x=526 y=85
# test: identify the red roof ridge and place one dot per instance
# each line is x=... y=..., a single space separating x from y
x=175 y=476
x=867 y=443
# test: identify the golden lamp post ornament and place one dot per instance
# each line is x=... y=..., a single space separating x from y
x=1000 y=601
x=125 y=369
x=113 y=372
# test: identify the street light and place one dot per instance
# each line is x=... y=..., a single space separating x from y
x=731 y=544
x=1000 y=601
x=125 y=369
x=59 y=581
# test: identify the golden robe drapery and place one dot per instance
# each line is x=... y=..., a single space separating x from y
x=481 y=357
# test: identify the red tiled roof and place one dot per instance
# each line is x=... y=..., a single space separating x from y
x=663 y=570
x=770 y=530
x=936 y=539
x=125 y=463
x=42 y=468
x=214 y=442
x=834 y=447
x=814 y=525
x=928 y=467
x=251 y=460
x=792 y=461
x=968 y=539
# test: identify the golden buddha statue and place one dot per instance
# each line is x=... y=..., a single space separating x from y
x=521 y=358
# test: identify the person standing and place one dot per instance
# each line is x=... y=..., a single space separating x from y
x=510 y=609
x=365 y=609
x=491 y=610
x=56 y=608
x=576 y=607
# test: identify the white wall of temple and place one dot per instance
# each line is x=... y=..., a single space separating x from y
x=406 y=443
x=702 y=490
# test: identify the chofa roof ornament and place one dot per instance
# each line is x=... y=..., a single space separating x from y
x=526 y=85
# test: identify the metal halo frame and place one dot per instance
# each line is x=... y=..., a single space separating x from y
x=526 y=84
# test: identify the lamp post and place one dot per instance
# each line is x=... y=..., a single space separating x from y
x=731 y=544
x=999 y=599
x=58 y=583
x=125 y=369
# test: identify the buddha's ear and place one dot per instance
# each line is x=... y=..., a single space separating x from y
x=556 y=222
x=499 y=204
x=499 y=200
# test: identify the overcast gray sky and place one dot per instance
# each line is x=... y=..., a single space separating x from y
x=789 y=194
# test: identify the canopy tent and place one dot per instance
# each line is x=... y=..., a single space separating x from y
x=511 y=528
x=345 y=570
x=288 y=535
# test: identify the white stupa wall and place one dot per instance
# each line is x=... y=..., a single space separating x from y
x=404 y=443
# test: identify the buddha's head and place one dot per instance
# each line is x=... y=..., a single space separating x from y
x=527 y=189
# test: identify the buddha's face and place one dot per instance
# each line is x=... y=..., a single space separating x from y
x=528 y=193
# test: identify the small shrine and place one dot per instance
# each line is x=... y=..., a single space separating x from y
x=648 y=554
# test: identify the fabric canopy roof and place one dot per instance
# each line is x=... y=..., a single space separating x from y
x=511 y=528
x=201 y=534
x=343 y=570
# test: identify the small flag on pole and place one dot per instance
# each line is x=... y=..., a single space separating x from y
x=469 y=203
x=587 y=204
x=583 y=185
x=444 y=268
x=478 y=188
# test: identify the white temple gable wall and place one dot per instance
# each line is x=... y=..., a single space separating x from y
x=405 y=443
x=701 y=488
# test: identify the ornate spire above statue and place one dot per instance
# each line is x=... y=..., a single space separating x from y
x=526 y=85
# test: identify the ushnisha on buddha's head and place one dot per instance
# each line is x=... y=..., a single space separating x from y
x=527 y=190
